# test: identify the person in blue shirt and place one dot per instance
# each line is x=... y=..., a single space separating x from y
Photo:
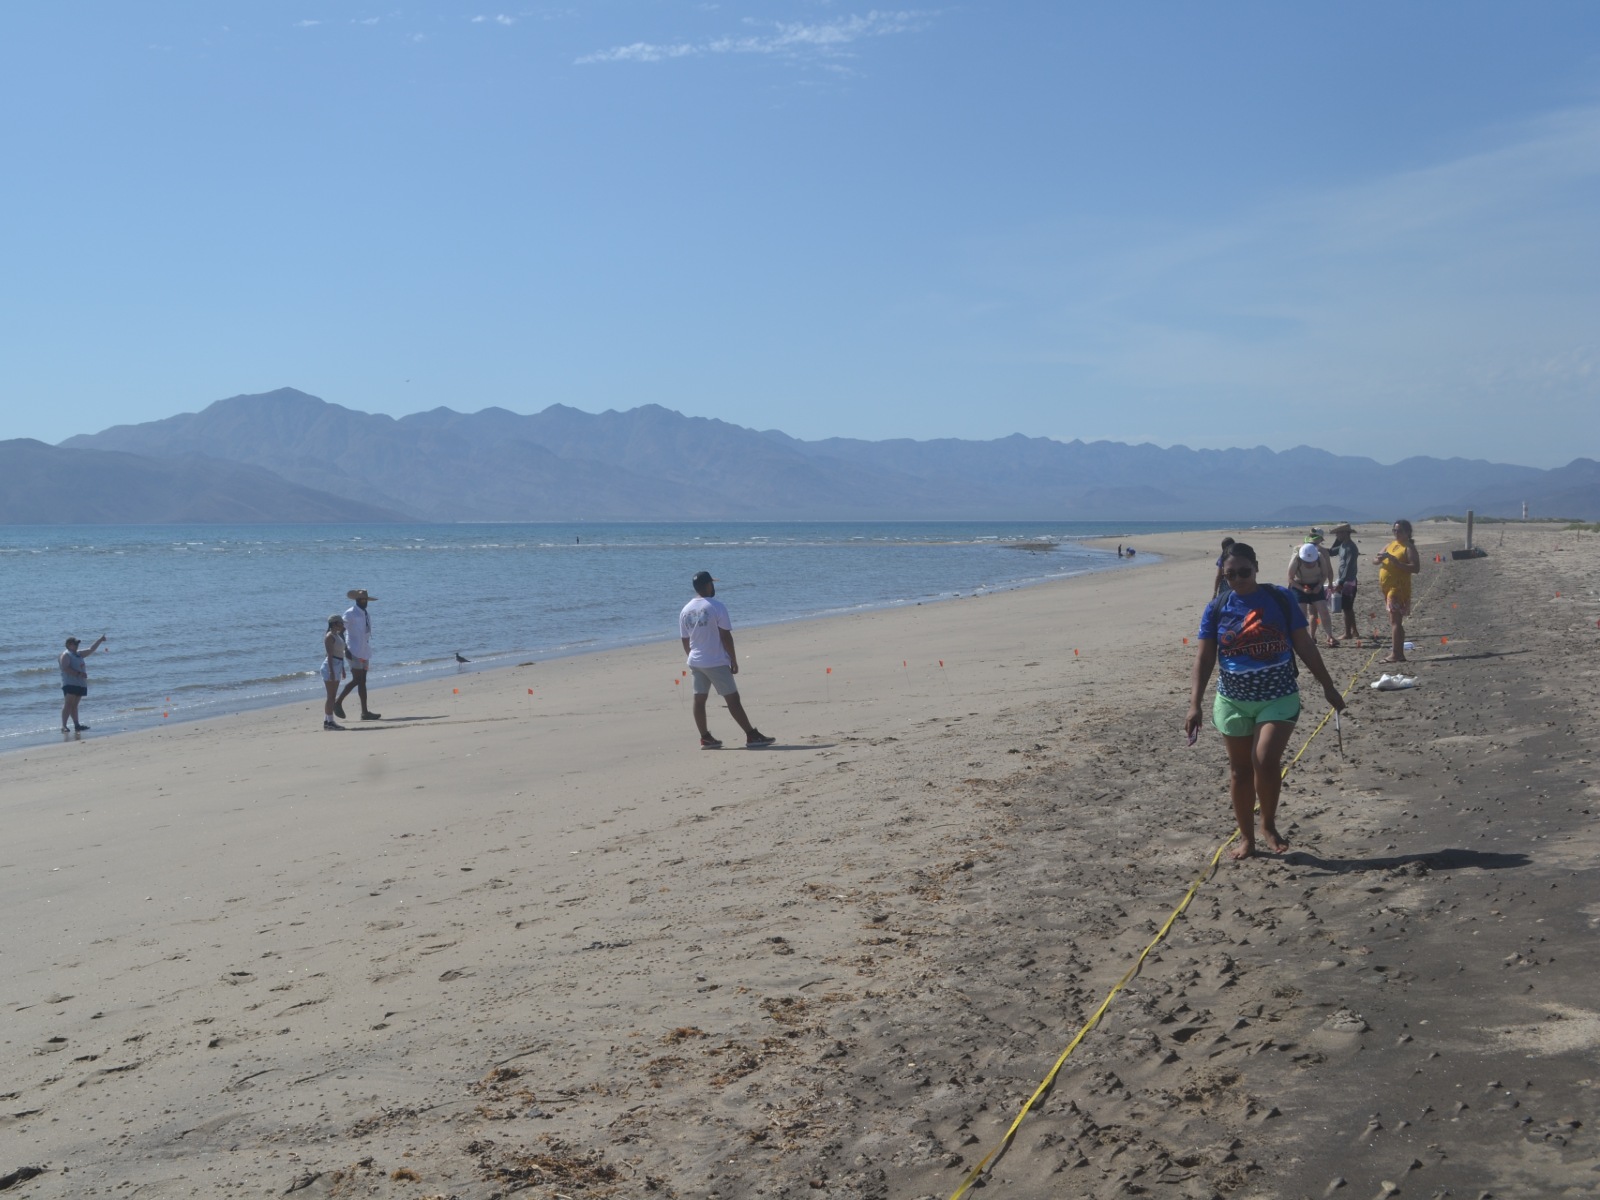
x=1254 y=631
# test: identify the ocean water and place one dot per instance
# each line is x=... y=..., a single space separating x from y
x=207 y=620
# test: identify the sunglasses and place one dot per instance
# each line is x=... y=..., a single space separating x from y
x=1239 y=573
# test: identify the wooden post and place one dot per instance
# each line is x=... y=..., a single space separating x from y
x=1469 y=529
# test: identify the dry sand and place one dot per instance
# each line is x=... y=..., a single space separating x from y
x=500 y=942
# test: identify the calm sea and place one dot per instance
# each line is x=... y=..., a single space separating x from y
x=209 y=619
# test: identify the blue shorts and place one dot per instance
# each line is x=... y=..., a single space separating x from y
x=1241 y=718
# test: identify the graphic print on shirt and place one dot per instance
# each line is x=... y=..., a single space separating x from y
x=1253 y=647
x=1255 y=638
x=701 y=623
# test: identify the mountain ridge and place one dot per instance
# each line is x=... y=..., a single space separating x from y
x=652 y=463
x=42 y=484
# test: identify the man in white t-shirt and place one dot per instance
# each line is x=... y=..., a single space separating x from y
x=357 y=652
x=707 y=637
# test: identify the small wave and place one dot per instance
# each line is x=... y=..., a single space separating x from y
x=237 y=685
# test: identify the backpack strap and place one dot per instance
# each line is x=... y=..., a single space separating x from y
x=1286 y=604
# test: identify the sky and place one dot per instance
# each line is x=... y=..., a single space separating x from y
x=1372 y=227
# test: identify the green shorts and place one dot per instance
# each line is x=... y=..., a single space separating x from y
x=1239 y=718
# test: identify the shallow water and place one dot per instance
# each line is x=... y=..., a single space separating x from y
x=205 y=620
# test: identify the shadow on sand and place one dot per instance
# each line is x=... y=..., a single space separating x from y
x=778 y=747
x=1438 y=860
x=1450 y=658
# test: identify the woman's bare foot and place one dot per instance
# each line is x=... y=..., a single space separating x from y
x=1274 y=843
x=1332 y=642
x=1242 y=850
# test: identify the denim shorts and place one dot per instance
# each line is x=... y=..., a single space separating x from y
x=1241 y=718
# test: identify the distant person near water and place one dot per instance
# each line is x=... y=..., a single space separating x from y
x=1220 y=584
x=1310 y=577
x=1254 y=631
x=333 y=666
x=358 y=638
x=75 y=681
x=707 y=636
x=1347 y=555
x=1397 y=563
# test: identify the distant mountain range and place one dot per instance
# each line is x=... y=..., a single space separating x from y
x=48 y=485
x=650 y=463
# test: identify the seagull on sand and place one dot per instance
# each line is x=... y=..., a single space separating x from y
x=459 y=659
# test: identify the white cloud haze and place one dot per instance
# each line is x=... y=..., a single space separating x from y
x=782 y=38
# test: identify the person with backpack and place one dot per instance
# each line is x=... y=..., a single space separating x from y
x=1254 y=633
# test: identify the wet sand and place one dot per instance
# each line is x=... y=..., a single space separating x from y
x=502 y=941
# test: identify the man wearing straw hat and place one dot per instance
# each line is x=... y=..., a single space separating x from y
x=358 y=652
x=707 y=636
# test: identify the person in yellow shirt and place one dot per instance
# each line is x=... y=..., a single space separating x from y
x=1397 y=563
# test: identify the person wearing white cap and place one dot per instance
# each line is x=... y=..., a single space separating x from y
x=358 y=652
x=1310 y=576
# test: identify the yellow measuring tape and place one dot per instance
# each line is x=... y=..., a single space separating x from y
x=1205 y=874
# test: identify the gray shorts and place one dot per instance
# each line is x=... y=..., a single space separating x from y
x=722 y=677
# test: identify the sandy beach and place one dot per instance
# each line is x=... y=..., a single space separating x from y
x=524 y=935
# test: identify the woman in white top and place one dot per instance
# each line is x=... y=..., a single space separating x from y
x=1310 y=576
x=332 y=667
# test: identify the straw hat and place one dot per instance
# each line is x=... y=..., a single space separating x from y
x=359 y=594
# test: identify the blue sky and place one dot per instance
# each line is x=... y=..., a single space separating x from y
x=1372 y=227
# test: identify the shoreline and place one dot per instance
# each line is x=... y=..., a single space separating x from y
x=561 y=944
x=424 y=674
